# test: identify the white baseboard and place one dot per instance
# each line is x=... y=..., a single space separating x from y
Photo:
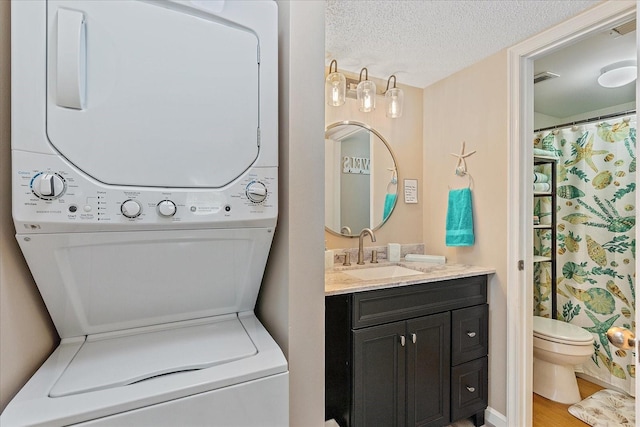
x=495 y=418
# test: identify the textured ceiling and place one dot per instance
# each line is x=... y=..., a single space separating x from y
x=424 y=41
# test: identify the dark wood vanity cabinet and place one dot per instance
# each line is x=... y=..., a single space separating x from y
x=408 y=356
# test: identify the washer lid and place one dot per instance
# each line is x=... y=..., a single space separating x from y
x=559 y=331
x=108 y=361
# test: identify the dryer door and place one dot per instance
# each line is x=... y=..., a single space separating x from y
x=151 y=94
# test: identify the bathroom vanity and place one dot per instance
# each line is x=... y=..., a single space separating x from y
x=407 y=351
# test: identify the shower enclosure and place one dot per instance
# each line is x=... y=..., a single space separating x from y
x=595 y=232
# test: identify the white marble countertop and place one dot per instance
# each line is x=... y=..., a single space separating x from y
x=337 y=282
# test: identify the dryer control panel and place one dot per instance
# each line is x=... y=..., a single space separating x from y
x=50 y=192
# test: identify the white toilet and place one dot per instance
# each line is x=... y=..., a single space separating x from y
x=557 y=347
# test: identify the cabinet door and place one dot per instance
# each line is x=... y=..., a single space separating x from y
x=428 y=370
x=379 y=376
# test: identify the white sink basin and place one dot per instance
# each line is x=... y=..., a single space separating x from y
x=387 y=272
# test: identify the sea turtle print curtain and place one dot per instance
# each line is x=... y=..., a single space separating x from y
x=595 y=232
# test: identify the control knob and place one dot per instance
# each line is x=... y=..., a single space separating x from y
x=167 y=208
x=48 y=186
x=256 y=191
x=131 y=208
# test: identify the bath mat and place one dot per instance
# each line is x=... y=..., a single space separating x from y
x=606 y=408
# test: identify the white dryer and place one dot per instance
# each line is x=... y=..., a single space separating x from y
x=144 y=174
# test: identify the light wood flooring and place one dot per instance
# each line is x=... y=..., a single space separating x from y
x=547 y=413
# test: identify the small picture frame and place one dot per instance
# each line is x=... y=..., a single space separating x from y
x=411 y=191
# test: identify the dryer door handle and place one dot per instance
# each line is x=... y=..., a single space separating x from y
x=71 y=59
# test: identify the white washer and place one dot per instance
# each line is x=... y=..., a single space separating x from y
x=144 y=169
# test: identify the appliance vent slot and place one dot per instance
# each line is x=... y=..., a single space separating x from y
x=623 y=29
x=545 y=75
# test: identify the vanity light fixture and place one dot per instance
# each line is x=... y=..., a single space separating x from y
x=366 y=93
x=338 y=88
x=618 y=74
x=394 y=98
x=335 y=86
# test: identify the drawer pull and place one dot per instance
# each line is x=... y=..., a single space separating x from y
x=414 y=338
x=471 y=334
x=471 y=389
x=402 y=340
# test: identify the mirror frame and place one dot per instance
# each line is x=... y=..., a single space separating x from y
x=395 y=161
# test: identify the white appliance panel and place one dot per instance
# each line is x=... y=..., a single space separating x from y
x=101 y=282
x=147 y=94
x=259 y=403
x=144 y=195
x=116 y=360
x=87 y=205
x=211 y=389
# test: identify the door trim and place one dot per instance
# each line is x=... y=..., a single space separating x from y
x=520 y=154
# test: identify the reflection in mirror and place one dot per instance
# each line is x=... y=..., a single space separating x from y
x=361 y=179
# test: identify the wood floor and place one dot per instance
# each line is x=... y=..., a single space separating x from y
x=547 y=413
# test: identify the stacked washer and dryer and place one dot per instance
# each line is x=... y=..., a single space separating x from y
x=144 y=173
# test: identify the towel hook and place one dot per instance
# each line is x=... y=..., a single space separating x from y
x=394 y=175
x=392 y=186
x=468 y=175
x=461 y=165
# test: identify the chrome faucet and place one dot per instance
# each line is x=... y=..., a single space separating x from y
x=360 y=241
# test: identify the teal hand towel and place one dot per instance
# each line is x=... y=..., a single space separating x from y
x=389 y=202
x=459 y=230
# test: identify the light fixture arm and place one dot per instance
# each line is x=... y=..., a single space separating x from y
x=389 y=81
x=333 y=62
x=366 y=74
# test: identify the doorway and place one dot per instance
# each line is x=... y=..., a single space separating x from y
x=521 y=126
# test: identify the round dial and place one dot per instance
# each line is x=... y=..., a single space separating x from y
x=167 y=208
x=48 y=186
x=256 y=191
x=131 y=208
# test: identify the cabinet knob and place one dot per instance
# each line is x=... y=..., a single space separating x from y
x=414 y=338
x=402 y=340
x=471 y=389
x=471 y=334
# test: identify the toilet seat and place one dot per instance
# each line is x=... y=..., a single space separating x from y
x=560 y=332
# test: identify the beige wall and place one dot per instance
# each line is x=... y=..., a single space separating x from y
x=471 y=106
x=27 y=336
x=291 y=303
x=404 y=135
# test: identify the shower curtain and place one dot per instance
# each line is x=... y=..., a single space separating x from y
x=595 y=234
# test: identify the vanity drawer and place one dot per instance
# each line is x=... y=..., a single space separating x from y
x=469 y=388
x=469 y=333
x=393 y=304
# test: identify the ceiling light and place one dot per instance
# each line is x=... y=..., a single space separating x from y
x=335 y=86
x=366 y=93
x=395 y=99
x=618 y=74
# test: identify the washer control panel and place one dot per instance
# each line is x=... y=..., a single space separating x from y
x=49 y=191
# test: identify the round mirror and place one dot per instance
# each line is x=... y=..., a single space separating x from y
x=361 y=179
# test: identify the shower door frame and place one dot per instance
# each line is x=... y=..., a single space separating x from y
x=520 y=194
